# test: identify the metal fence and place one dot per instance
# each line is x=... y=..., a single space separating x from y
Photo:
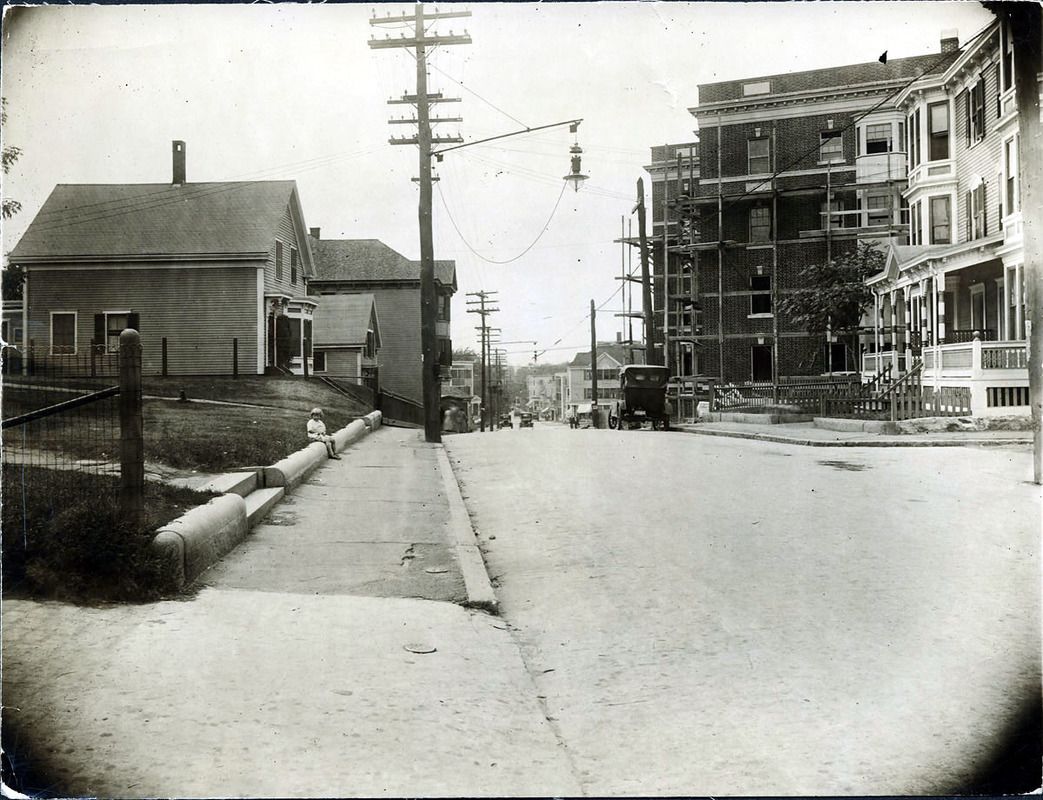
x=71 y=432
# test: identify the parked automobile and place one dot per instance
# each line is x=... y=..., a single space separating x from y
x=505 y=421
x=642 y=392
x=525 y=420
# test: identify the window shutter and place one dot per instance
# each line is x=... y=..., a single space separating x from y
x=99 y=330
x=964 y=107
x=133 y=321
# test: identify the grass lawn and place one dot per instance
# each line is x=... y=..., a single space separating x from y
x=220 y=438
x=64 y=539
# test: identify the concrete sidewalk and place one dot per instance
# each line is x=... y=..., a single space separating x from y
x=328 y=655
x=809 y=435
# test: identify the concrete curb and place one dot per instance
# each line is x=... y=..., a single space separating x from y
x=857 y=425
x=889 y=442
x=202 y=536
x=479 y=588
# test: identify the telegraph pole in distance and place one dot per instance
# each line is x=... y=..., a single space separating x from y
x=593 y=366
x=478 y=307
x=420 y=42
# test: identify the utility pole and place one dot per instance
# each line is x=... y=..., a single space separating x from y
x=420 y=42
x=478 y=307
x=593 y=366
x=646 y=283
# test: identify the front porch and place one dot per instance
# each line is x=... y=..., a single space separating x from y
x=993 y=374
x=960 y=312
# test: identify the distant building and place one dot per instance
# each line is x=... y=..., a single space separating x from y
x=461 y=374
x=352 y=266
x=580 y=383
x=544 y=392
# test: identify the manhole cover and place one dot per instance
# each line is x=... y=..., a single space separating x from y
x=420 y=648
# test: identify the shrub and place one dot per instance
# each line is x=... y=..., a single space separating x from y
x=70 y=543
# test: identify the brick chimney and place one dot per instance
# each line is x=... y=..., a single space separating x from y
x=314 y=233
x=179 y=163
x=950 y=40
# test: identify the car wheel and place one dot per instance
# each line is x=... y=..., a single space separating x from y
x=613 y=422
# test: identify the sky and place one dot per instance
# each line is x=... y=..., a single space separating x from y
x=96 y=94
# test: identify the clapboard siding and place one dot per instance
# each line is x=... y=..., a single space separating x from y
x=342 y=363
x=982 y=159
x=401 y=354
x=287 y=235
x=200 y=310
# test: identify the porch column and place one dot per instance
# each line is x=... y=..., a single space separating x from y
x=925 y=322
x=895 y=306
x=939 y=294
x=908 y=327
x=878 y=334
x=1019 y=304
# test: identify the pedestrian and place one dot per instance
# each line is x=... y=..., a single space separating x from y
x=570 y=415
x=317 y=432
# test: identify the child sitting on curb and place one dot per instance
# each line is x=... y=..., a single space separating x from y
x=317 y=431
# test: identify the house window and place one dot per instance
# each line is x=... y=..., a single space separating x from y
x=976 y=112
x=830 y=147
x=878 y=209
x=977 y=221
x=760 y=297
x=837 y=219
x=760 y=224
x=1010 y=167
x=371 y=344
x=914 y=139
x=319 y=361
x=915 y=231
x=443 y=307
x=114 y=326
x=63 y=333
x=759 y=152
x=878 y=138
x=940 y=220
x=278 y=260
x=938 y=131
x=293 y=266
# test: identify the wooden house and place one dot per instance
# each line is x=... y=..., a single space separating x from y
x=347 y=339
x=213 y=275
x=350 y=266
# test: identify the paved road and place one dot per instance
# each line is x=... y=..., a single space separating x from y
x=718 y=616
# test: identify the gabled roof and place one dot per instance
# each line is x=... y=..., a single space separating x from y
x=370 y=260
x=615 y=352
x=345 y=319
x=99 y=221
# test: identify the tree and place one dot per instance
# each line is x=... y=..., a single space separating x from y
x=833 y=295
x=13 y=277
x=9 y=156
